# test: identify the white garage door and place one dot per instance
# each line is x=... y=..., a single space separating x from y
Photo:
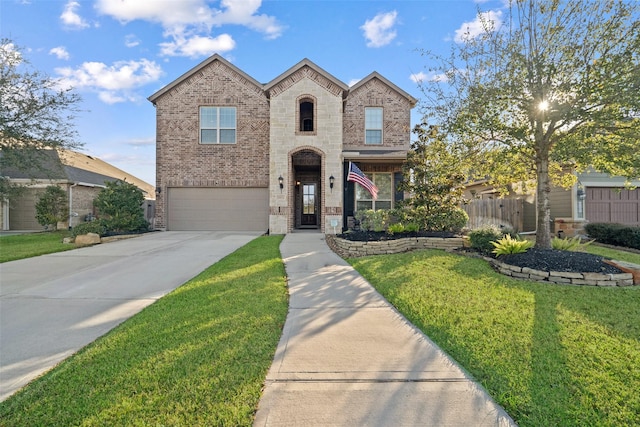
x=224 y=209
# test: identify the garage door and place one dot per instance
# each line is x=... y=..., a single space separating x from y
x=608 y=204
x=22 y=211
x=225 y=209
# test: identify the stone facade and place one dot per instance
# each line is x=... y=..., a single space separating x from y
x=271 y=142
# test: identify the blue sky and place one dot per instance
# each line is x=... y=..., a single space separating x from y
x=116 y=53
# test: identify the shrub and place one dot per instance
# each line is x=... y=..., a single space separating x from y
x=614 y=234
x=52 y=207
x=371 y=220
x=452 y=220
x=566 y=244
x=120 y=203
x=480 y=239
x=97 y=227
x=398 y=227
x=412 y=227
x=509 y=245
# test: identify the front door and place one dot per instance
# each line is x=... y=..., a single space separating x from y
x=309 y=209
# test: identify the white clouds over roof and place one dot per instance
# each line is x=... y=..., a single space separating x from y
x=70 y=17
x=380 y=31
x=485 y=22
x=114 y=83
x=189 y=22
x=60 y=52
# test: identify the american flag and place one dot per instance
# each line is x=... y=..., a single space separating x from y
x=356 y=175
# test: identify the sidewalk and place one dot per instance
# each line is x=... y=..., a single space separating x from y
x=347 y=358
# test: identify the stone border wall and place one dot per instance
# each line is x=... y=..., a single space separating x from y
x=349 y=249
x=563 y=277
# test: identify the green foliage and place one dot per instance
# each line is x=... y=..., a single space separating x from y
x=398 y=227
x=52 y=207
x=481 y=238
x=509 y=245
x=97 y=226
x=567 y=244
x=371 y=220
x=120 y=207
x=554 y=91
x=35 y=114
x=614 y=234
x=411 y=227
x=434 y=175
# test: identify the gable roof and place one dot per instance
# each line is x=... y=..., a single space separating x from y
x=153 y=98
x=78 y=168
x=376 y=75
x=306 y=63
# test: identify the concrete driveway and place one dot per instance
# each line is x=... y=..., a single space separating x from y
x=53 y=305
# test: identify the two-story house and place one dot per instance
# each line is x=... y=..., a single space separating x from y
x=236 y=154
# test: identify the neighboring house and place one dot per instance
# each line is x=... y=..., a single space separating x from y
x=236 y=154
x=80 y=175
x=596 y=197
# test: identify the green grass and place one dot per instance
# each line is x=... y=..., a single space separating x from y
x=551 y=355
x=32 y=244
x=613 y=253
x=197 y=357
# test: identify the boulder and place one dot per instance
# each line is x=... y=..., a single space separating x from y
x=87 y=239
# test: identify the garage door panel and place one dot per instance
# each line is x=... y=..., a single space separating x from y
x=224 y=209
x=609 y=204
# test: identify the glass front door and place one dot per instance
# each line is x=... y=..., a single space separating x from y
x=309 y=200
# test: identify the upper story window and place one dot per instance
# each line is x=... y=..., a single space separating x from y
x=373 y=125
x=217 y=125
x=306 y=115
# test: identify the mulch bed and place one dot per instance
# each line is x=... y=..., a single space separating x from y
x=537 y=259
x=554 y=260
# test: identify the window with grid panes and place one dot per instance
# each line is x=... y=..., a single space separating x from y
x=217 y=125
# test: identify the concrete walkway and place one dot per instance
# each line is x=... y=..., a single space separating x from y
x=52 y=305
x=347 y=358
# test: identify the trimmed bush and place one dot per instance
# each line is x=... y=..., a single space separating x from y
x=97 y=227
x=614 y=234
x=481 y=238
x=371 y=220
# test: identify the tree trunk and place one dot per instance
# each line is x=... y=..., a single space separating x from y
x=543 y=233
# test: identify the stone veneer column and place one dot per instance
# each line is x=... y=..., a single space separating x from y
x=327 y=142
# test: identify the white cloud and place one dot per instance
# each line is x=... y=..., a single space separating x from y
x=485 y=21
x=60 y=52
x=131 y=40
x=193 y=19
x=70 y=18
x=115 y=83
x=431 y=77
x=379 y=30
x=352 y=82
x=141 y=142
x=196 y=46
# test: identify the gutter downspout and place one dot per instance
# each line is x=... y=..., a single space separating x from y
x=71 y=204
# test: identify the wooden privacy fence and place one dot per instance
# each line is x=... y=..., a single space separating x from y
x=500 y=212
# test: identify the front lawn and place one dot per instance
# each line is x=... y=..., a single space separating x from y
x=33 y=244
x=551 y=355
x=197 y=357
x=613 y=253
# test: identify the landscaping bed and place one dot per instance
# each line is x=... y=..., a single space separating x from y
x=555 y=260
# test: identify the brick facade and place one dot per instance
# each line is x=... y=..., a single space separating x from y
x=269 y=137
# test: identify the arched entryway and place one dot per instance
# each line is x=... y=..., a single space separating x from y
x=307 y=192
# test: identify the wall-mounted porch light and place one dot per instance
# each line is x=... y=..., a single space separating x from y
x=281 y=182
x=331 y=181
